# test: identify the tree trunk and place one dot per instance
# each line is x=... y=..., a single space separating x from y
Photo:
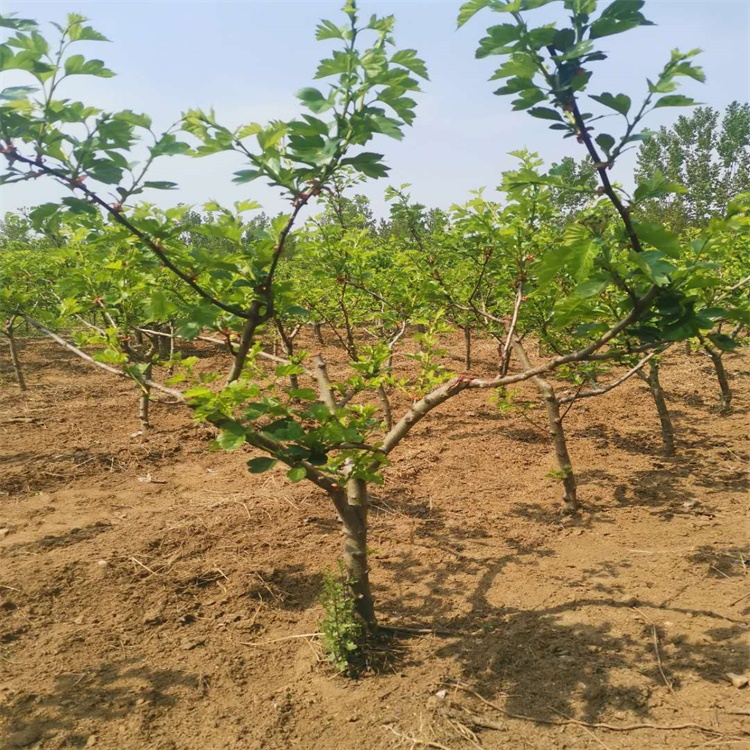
x=163 y=343
x=354 y=521
x=288 y=344
x=665 y=419
x=385 y=402
x=240 y=353
x=467 y=347
x=721 y=376
x=15 y=359
x=318 y=333
x=145 y=400
x=557 y=433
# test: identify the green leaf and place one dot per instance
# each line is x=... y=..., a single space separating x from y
x=675 y=100
x=79 y=206
x=328 y=30
x=656 y=186
x=470 y=9
x=498 y=40
x=78 y=65
x=289 y=369
x=592 y=287
x=297 y=474
x=519 y=64
x=303 y=394
x=133 y=118
x=653 y=265
x=658 y=236
x=408 y=59
x=368 y=163
x=723 y=342
x=261 y=464
x=160 y=185
x=545 y=113
x=14 y=93
x=619 y=16
x=619 y=102
x=18 y=24
x=41 y=214
x=314 y=100
x=605 y=141
x=232 y=435
x=246 y=175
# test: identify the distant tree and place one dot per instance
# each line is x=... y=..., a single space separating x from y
x=706 y=153
x=14 y=228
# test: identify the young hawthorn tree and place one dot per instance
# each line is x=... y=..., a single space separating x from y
x=551 y=65
x=721 y=256
x=369 y=95
x=28 y=271
x=120 y=294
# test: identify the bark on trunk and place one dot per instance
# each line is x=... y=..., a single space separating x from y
x=467 y=347
x=288 y=345
x=318 y=333
x=354 y=521
x=163 y=345
x=385 y=402
x=240 y=353
x=15 y=359
x=665 y=419
x=557 y=434
x=721 y=376
x=145 y=401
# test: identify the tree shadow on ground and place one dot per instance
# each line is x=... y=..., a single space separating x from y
x=109 y=692
x=559 y=660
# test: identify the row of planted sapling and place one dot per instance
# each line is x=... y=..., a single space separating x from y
x=593 y=286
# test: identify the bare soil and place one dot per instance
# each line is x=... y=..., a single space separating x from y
x=146 y=583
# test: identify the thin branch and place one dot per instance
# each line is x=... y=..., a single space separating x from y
x=118 y=217
x=102 y=365
x=586 y=353
x=505 y=354
x=570 y=397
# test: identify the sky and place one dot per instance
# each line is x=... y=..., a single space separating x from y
x=246 y=59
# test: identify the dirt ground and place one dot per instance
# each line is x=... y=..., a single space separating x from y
x=149 y=587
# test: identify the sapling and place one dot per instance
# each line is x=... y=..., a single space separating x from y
x=9 y=330
x=653 y=381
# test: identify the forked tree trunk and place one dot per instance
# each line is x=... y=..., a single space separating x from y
x=721 y=376
x=354 y=522
x=557 y=433
x=15 y=359
x=665 y=419
x=467 y=347
x=241 y=352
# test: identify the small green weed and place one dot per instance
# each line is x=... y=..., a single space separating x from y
x=343 y=634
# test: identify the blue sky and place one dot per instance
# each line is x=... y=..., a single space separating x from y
x=246 y=59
